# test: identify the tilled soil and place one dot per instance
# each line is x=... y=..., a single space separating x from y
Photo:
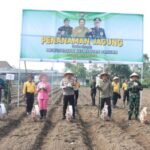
x=86 y=132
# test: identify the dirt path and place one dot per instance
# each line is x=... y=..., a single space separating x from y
x=87 y=132
x=105 y=135
x=23 y=133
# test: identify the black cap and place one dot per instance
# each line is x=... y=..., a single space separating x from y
x=97 y=19
x=66 y=19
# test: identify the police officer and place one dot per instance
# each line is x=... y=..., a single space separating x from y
x=96 y=32
x=65 y=30
x=67 y=84
x=134 y=88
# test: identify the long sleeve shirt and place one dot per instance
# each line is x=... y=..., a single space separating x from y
x=93 y=87
x=67 y=86
x=105 y=88
x=116 y=87
x=76 y=85
x=43 y=89
x=135 y=87
x=29 y=87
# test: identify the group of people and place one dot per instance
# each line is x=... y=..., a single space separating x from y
x=81 y=31
x=42 y=89
x=110 y=90
x=69 y=85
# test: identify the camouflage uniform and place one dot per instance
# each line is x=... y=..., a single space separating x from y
x=134 y=98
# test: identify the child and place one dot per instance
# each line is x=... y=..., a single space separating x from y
x=43 y=89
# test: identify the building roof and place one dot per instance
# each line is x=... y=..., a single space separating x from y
x=4 y=65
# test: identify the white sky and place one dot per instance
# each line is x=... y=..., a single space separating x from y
x=11 y=15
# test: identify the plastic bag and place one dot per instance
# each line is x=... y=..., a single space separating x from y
x=2 y=110
x=69 y=113
x=35 y=112
x=104 y=114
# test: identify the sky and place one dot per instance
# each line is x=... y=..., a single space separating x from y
x=11 y=21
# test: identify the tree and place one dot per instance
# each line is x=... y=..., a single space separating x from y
x=122 y=71
x=146 y=70
x=78 y=69
x=94 y=70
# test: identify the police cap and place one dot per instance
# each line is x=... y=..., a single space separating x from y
x=97 y=19
x=66 y=19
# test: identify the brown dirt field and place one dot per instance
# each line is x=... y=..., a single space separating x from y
x=86 y=132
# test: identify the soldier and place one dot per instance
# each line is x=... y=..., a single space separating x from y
x=2 y=86
x=81 y=30
x=105 y=88
x=65 y=30
x=96 y=32
x=134 y=88
x=66 y=85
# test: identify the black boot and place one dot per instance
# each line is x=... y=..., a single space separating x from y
x=41 y=114
x=129 y=117
x=44 y=114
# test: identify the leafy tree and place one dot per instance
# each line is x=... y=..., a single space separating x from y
x=122 y=71
x=146 y=71
x=78 y=69
x=94 y=70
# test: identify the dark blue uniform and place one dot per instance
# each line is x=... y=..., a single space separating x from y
x=64 y=31
x=96 y=33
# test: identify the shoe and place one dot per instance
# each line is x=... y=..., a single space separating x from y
x=28 y=113
x=129 y=118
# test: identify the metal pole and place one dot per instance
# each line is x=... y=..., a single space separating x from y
x=18 y=85
x=141 y=91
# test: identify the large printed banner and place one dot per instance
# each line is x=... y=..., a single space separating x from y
x=81 y=36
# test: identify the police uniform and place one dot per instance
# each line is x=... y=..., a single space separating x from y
x=134 y=88
x=64 y=31
x=68 y=93
x=96 y=32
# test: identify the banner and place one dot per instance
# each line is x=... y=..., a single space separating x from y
x=81 y=36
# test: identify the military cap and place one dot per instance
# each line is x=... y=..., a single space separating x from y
x=97 y=19
x=66 y=19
